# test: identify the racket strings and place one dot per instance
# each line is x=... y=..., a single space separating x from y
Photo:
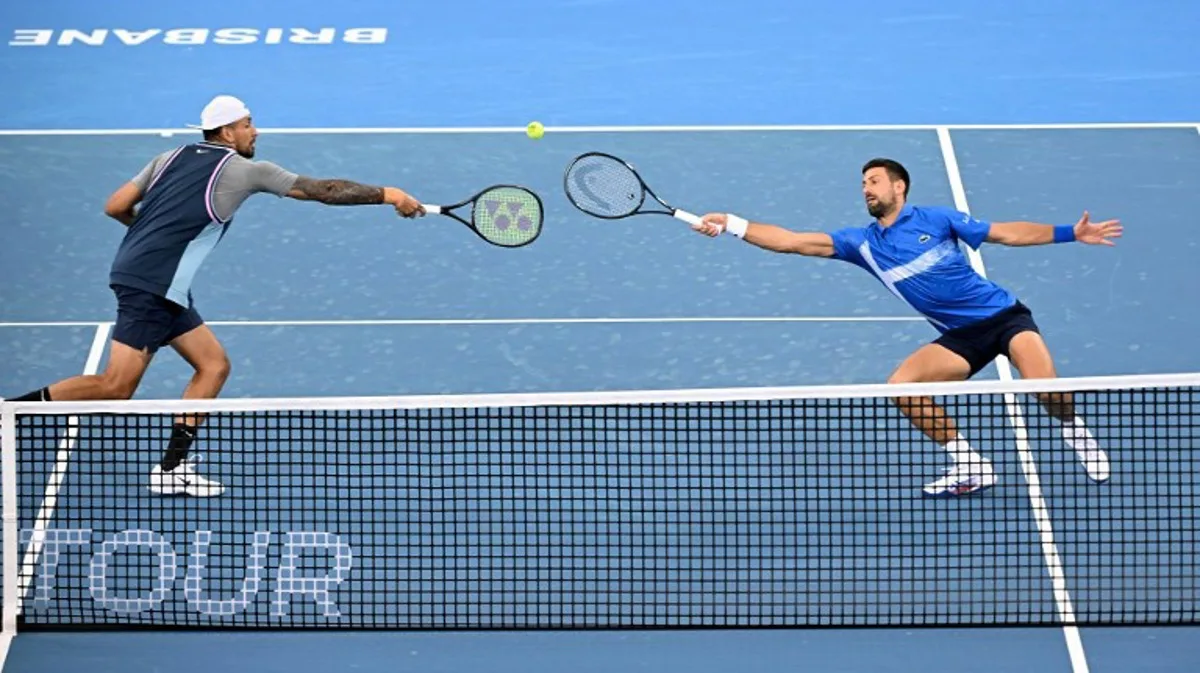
x=508 y=216
x=604 y=187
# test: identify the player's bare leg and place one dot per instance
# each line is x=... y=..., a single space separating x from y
x=1032 y=359
x=118 y=381
x=971 y=472
x=176 y=474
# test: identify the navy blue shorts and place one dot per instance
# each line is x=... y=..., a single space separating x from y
x=981 y=342
x=147 y=322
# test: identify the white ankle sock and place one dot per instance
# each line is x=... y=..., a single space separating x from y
x=1078 y=436
x=960 y=450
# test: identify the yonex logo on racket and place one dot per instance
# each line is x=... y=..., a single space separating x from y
x=512 y=213
x=505 y=215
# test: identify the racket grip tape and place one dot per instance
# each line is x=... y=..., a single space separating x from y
x=432 y=209
x=686 y=217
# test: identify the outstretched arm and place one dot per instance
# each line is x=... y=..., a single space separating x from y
x=1033 y=233
x=336 y=192
x=768 y=236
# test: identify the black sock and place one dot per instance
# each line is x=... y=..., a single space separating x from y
x=40 y=395
x=177 y=449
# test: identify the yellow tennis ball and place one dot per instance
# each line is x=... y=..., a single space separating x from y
x=535 y=130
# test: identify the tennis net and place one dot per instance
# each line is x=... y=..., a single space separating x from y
x=758 y=507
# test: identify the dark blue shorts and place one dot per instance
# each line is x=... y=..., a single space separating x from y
x=147 y=322
x=981 y=342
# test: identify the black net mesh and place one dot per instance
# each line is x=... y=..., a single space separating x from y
x=785 y=512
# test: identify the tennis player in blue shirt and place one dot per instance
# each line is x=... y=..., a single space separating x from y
x=914 y=252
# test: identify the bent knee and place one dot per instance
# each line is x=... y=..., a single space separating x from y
x=899 y=377
x=119 y=387
x=217 y=367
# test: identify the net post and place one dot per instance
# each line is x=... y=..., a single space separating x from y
x=8 y=508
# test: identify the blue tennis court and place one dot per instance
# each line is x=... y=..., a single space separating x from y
x=1093 y=107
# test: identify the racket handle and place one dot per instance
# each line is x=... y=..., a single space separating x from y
x=432 y=209
x=686 y=217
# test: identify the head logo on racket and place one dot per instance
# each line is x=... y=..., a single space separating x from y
x=604 y=186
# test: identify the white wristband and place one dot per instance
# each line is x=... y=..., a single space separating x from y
x=736 y=225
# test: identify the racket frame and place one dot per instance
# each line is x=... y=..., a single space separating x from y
x=448 y=210
x=677 y=213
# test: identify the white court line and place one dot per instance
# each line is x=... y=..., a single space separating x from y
x=1041 y=511
x=503 y=321
x=703 y=128
x=61 y=462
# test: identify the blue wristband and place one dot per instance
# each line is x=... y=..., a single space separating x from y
x=1064 y=234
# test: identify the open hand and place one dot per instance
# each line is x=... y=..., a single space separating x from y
x=1097 y=233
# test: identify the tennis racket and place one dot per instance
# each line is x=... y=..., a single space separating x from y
x=604 y=186
x=505 y=215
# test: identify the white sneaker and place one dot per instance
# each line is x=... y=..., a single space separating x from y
x=962 y=479
x=183 y=480
x=1094 y=460
x=1087 y=449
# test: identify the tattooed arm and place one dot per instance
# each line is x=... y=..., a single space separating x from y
x=264 y=176
x=337 y=192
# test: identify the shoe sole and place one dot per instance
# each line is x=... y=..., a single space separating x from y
x=1098 y=480
x=183 y=491
x=949 y=493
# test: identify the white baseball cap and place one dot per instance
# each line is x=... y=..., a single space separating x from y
x=220 y=111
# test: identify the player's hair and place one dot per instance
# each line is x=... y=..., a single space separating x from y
x=894 y=169
x=211 y=134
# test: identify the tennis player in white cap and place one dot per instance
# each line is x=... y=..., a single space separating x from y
x=177 y=209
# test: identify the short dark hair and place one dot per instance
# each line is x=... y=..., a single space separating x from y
x=894 y=169
x=211 y=134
